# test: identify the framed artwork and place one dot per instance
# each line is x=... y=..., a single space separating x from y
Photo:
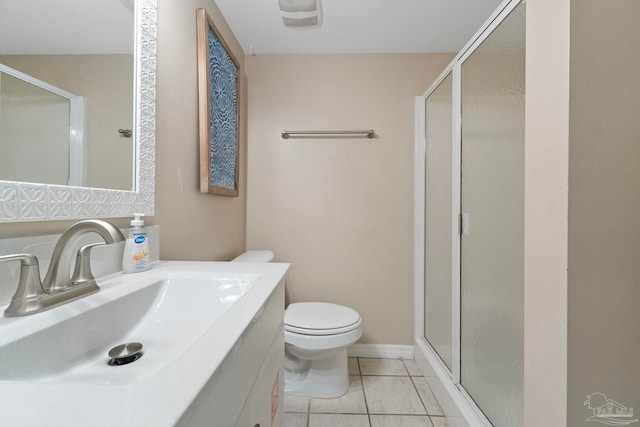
x=218 y=87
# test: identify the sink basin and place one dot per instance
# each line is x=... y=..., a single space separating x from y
x=187 y=315
x=165 y=315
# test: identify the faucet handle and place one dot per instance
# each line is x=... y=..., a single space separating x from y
x=82 y=274
x=26 y=259
x=29 y=292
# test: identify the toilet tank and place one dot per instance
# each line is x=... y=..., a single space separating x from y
x=255 y=256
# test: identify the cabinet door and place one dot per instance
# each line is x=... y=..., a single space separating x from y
x=264 y=406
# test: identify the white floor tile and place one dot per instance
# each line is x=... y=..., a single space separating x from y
x=427 y=369
x=440 y=422
x=370 y=366
x=296 y=404
x=392 y=390
x=352 y=402
x=294 y=420
x=429 y=400
x=392 y=395
x=445 y=401
x=335 y=420
x=400 y=421
x=412 y=368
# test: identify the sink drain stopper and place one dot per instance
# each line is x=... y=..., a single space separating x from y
x=125 y=353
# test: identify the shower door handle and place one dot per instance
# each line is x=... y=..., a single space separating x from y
x=465 y=223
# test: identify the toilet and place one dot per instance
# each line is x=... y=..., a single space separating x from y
x=316 y=336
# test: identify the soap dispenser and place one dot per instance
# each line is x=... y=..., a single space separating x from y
x=136 y=248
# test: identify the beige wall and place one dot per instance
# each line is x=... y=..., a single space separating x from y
x=545 y=213
x=339 y=209
x=193 y=226
x=107 y=83
x=604 y=206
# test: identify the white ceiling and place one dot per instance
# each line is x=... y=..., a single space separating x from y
x=66 y=26
x=348 y=26
x=359 y=26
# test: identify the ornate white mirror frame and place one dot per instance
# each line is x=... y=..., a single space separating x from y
x=20 y=201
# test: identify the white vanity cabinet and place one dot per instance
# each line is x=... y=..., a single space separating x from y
x=247 y=389
x=263 y=408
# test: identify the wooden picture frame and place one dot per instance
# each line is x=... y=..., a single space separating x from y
x=218 y=96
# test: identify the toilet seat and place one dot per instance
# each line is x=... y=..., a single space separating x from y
x=320 y=319
x=322 y=342
x=322 y=332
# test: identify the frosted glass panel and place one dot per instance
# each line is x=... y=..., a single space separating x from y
x=492 y=250
x=34 y=133
x=437 y=289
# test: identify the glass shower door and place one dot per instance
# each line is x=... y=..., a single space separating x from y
x=492 y=205
x=438 y=220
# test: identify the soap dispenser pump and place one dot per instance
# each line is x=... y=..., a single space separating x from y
x=135 y=257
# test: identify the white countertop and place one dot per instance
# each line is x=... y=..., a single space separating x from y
x=156 y=400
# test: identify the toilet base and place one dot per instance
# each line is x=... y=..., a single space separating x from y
x=320 y=378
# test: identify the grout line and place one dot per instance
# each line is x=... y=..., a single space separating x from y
x=429 y=416
x=366 y=404
x=434 y=398
x=405 y=367
x=413 y=383
x=358 y=365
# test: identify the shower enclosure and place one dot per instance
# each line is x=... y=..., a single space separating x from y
x=471 y=221
x=42 y=131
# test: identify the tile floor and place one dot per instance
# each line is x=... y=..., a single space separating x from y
x=383 y=393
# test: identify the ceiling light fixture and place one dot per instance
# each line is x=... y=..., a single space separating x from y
x=300 y=13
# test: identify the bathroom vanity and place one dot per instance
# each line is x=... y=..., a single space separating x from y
x=247 y=389
x=212 y=351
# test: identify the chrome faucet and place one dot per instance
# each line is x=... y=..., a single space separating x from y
x=58 y=287
x=28 y=295
x=59 y=275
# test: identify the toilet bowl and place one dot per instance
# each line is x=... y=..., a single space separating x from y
x=316 y=336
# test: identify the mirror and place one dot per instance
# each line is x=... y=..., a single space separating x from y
x=119 y=173
x=59 y=47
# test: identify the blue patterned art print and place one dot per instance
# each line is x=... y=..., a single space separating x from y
x=223 y=115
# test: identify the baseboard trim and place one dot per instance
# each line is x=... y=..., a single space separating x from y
x=382 y=351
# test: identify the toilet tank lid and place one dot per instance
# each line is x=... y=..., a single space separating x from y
x=255 y=256
x=320 y=315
